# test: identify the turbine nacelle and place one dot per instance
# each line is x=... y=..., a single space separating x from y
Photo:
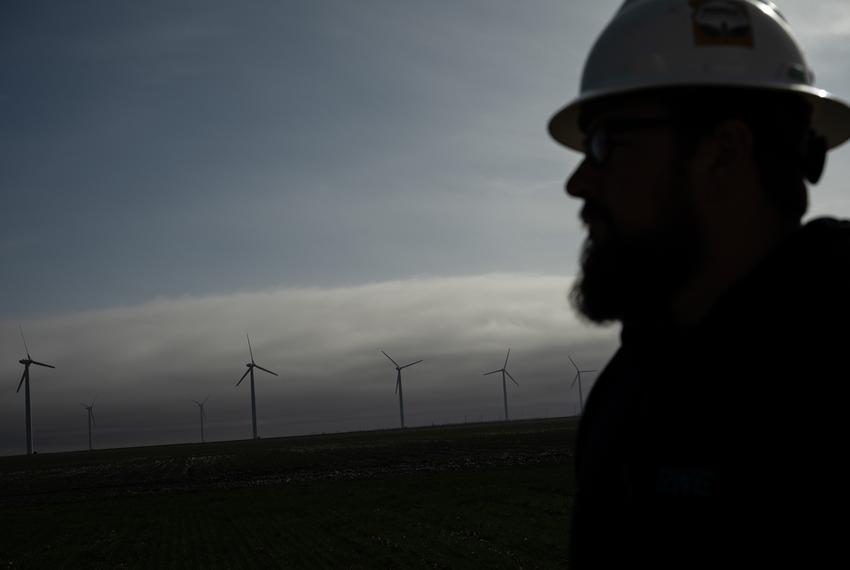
x=579 y=372
x=201 y=406
x=28 y=361
x=399 y=367
x=251 y=365
x=504 y=370
x=90 y=409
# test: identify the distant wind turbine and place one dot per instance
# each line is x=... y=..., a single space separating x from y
x=204 y=414
x=398 y=384
x=25 y=379
x=504 y=370
x=578 y=379
x=90 y=409
x=251 y=365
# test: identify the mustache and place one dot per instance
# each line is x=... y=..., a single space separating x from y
x=592 y=213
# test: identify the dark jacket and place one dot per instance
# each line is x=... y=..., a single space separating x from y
x=720 y=445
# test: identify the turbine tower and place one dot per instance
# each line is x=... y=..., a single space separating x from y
x=398 y=384
x=251 y=365
x=25 y=380
x=90 y=409
x=504 y=370
x=578 y=379
x=204 y=414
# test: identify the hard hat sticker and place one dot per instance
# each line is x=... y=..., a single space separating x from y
x=721 y=23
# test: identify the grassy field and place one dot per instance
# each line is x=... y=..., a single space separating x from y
x=471 y=496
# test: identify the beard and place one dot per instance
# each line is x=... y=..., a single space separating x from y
x=635 y=278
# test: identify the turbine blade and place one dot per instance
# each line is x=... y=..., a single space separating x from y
x=249 y=347
x=25 y=341
x=43 y=364
x=205 y=399
x=92 y=417
x=397 y=382
x=512 y=378
x=489 y=373
x=391 y=360
x=573 y=362
x=243 y=376
x=265 y=369
x=505 y=365
x=197 y=402
x=583 y=371
x=22 y=381
x=411 y=364
x=575 y=380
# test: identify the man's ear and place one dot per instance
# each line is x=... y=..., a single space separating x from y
x=724 y=165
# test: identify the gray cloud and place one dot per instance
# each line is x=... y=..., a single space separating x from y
x=145 y=363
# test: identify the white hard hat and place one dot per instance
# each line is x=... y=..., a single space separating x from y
x=653 y=44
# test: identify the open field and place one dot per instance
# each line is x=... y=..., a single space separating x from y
x=471 y=496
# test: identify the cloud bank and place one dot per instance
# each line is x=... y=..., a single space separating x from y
x=145 y=363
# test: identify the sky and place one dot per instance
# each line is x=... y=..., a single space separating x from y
x=333 y=178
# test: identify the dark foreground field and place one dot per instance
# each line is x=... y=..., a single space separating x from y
x=472 y=496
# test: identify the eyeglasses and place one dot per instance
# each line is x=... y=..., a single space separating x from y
x=598 y=142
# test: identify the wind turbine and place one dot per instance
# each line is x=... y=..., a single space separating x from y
x=398 y=383
x=204 y=414
x=578 y=379
x=504 y=370
x=251 y=365
x=90 y=409
x=25 y=379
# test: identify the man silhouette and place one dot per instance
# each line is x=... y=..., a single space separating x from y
x=700 y=128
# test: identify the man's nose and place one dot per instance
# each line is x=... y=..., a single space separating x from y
x=582 y=181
